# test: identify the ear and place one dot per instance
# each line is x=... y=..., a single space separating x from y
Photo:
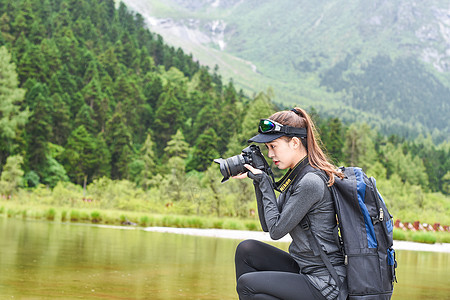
x=296 y=143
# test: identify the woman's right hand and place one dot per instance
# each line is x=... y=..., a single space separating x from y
x=251 y=169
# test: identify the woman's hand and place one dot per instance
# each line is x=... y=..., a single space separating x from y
x=251 y=169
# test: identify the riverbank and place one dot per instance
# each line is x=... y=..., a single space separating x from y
x=264 y=236
x=201 y=225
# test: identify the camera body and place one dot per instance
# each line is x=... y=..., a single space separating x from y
x=253 y=156
x=234 y=165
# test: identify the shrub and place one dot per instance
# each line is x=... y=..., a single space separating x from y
x=251 y=226
x=50 y=214
x=218 y=224
x=442 y=237
x=74 y=215
x=424 y=237
x=194 y=222
x=399 y=235
x=231 y=224
x=95 y=216
x=84 y=216
x=144 y=221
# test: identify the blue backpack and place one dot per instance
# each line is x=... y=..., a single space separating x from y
x=365 y=236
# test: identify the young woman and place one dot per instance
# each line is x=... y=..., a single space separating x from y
x=266 y=272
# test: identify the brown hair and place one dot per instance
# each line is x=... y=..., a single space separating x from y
x=316 y=156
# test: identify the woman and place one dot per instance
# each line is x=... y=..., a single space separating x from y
x=266 y=272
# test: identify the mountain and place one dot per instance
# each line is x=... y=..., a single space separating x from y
x=384 y=62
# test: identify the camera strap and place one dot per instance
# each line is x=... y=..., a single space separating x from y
x=291 y=175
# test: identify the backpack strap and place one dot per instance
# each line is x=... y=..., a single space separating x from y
x=305 y=224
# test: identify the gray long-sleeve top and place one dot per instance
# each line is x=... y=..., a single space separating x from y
x=283 y=216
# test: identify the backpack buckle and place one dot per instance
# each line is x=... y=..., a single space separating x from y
x=304 y=225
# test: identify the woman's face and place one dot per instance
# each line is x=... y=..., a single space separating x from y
x=286 y=153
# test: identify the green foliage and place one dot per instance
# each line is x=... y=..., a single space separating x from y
x=80 y=156
x=50 y=215
x=359 y=148
x=423 y=237
x=11 y=176
x=399 y=235
x=12 y=117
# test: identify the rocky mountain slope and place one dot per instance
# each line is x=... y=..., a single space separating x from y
x=387 y=62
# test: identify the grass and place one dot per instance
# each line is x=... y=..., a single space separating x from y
x=118 y=217
x=428 y=237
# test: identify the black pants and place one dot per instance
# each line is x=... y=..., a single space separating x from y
x=266 y=272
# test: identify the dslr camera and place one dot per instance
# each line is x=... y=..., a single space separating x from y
x=234 y=165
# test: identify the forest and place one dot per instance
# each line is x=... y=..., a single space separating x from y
x=97 y=111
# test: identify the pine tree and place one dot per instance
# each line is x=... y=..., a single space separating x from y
x=333 y=139
x=60 y=121
x=359 y=147
x=261 y=107
x=177 y=146
x=39 y=131
x=80 y=157
x=147 y=156
x=32 y=65
x=118 y=138
x=168 y=118
x=12 y=117
x=11 y=176
x=5 y=28
x=85 y=117
x=205 y=151
x=104 y=156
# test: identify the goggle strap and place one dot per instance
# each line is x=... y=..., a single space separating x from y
x=294 y=131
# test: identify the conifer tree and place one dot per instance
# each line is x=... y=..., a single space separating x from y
x=31 y=64
x=12 y=117
x=5 y=28
x=85 y=117
x=261 y=107
x=118 y=138
x=60 y=120
x=50 y=52
x=332 y=138
x=80 y=157
x=11 y=176
x=104 y=156
x=168 y=118
x=39 y=131
x=147 y=156
x=177 y=146
x=205 y=151
x=359 y=147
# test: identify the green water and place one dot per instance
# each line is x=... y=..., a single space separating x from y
x=41 y=260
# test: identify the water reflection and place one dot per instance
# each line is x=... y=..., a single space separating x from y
x=41 y=260
x=423 y=275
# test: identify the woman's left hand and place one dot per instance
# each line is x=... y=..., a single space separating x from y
x=253 y=170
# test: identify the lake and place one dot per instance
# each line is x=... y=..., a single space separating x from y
x=45 y=260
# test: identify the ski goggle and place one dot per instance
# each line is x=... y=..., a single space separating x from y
x=269 y=126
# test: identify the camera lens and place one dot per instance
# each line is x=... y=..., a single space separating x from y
x=231 y=166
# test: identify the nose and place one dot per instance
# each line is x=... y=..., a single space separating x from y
x=270 y=153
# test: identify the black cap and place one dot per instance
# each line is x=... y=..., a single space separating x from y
x=266 y=137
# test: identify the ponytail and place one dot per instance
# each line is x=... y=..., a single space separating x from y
x=298 y=117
